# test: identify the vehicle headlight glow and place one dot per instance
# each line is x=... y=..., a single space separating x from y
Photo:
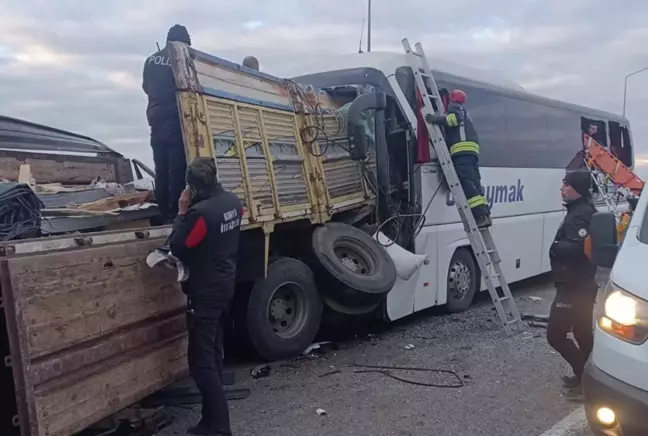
x=624 y=316
x=621 y=308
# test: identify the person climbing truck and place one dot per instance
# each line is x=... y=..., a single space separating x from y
x=463 y=142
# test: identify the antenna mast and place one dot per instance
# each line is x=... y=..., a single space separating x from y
x=361 y=35
x=369 y=26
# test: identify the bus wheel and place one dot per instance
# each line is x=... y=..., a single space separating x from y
x=359 y=271
x=463 y=280
x=284 y=310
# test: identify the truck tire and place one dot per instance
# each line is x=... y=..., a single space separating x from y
x=463 y=281
x=284 y=310
x=358 y=269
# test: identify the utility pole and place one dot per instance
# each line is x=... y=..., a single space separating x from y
x=625 y=87
x=368 y=26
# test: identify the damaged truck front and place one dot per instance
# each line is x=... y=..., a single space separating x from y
x=91 y=329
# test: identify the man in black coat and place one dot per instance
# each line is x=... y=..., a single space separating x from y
x=205 y=239
x=574 y=279
x=163 y=118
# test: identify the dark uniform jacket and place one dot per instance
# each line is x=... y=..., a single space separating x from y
x=569 y=264
x=160 y=87
x=460 y=134
x=206 y=241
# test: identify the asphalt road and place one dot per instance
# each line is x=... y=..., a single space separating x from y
x=511 y=384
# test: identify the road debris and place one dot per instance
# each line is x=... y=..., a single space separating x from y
x=388 y=371
x=410 y=346
x=534 y=317
x=326 y=374
x=316 y=346
x=260 y=371
x=320 y=412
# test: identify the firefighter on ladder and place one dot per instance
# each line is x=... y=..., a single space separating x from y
x=462 y=140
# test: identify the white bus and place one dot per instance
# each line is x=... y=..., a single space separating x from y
x=526 y=144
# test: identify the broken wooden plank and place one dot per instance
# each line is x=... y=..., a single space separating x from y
x=116 y=202
x=24 y=175
x=67 y=169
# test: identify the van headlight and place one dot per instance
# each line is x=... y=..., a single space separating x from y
x=624 y=316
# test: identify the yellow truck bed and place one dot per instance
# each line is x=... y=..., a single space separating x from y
x=280 y=146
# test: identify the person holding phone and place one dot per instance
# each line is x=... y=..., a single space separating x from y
x=205 y=238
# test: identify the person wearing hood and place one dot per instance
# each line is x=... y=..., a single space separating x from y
x=205 y=238
x=164 y=120
x=574 y=278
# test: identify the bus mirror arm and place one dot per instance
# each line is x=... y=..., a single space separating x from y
x=358 y=140
x=603 y=234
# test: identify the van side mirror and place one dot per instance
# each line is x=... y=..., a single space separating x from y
x=603 y=234
x=357 y=137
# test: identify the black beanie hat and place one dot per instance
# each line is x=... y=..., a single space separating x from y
x=179 y=33
x=580 y=180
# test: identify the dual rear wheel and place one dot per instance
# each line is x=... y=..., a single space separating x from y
x=349 y=272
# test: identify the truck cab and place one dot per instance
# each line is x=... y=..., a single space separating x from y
x=616 y=376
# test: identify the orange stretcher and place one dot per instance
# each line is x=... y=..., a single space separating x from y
x=598 y=157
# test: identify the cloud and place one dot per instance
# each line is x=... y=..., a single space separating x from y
x=77 y=64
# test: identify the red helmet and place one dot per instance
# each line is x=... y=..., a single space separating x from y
x=457 y=96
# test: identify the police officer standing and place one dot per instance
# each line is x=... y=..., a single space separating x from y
x=205 y=239
x=462 y=139
x=164 y=120
x=574 y=279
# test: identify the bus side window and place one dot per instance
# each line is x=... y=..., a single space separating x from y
x=625 y=154
x=620 y=145
x=596 y=129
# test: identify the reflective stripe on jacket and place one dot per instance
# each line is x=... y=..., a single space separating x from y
x=460 y=133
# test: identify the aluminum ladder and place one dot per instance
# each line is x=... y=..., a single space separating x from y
x=602 y=187
x=481 y=240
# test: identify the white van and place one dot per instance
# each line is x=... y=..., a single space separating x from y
x=616 y=377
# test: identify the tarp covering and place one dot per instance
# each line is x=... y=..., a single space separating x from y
x=20 y=211
x=18 y=134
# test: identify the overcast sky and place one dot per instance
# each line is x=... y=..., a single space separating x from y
x=76 y=64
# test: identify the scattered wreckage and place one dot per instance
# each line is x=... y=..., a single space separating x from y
x=89 y=328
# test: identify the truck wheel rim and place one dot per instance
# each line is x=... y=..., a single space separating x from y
x=459 y=280
x=355 y=257
x=287 y=310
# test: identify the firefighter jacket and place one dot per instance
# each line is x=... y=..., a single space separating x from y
x=206 y=241
x=460 y=134
x=159 y=85
x=569 y=262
